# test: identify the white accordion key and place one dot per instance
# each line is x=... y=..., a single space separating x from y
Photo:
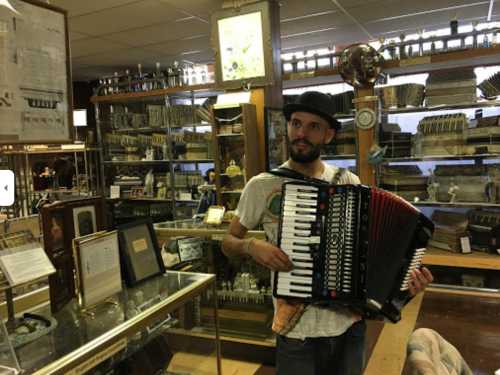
x=292 y=187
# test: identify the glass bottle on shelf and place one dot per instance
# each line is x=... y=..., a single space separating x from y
x=159 y=79
x=138 y=85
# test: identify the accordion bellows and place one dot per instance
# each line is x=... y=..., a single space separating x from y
x=350 y=245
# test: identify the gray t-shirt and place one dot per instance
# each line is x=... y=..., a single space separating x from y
x=260 y=203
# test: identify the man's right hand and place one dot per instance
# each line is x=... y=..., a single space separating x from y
x=270 y=256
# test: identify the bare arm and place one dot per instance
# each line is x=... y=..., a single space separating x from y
x=262 y=252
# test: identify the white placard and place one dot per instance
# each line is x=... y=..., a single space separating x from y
x=27 y=265
x=99 y=267
x=465 y=244
x=114 y=191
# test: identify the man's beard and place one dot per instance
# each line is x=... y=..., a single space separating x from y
x=304 y=156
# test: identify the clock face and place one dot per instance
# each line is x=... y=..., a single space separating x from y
x=365 y=118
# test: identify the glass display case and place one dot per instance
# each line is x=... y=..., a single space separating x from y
x=244 y=295
x=128 y=334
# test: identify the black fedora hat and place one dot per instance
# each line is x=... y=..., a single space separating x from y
x=314 y=102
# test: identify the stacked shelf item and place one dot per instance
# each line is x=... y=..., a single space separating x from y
x=407 y=181
x=450 y=87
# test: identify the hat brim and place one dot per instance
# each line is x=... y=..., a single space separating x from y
x=288 y=109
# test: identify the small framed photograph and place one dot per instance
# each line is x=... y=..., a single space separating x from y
x=139 y=250
x=84 y=220
x=214 y=215
x=190 y=248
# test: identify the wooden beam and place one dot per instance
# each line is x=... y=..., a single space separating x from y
x=365 y=138
x=436 y=257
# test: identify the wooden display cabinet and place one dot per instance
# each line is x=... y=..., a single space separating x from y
x=236 y=150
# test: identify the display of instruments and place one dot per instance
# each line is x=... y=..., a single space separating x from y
x=441 y=135
x=348 y=246
x=450 y=87
x=405 y=180
x=400 y=96
x=449 y=230
x=485 y=137
x=484 y=229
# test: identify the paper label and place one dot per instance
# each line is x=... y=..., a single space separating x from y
x=465 y=243
x=140 y=245
x=114 y=191
x=27 y=265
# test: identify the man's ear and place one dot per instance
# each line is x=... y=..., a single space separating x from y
x=330 y=134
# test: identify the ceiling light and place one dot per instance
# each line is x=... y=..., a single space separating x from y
x=307 y=16
x=6 y=4
x=308 y=32
x=490 y=10
x=190 y=52
x=427 y=12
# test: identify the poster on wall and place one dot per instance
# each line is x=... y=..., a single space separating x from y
x=35 y=81
x=276 y=138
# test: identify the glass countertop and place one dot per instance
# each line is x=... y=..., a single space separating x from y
x=120 y=321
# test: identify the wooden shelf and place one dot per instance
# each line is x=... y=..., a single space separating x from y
x=436 y=257
x=413 y=65
x=440 y=157
x=159 y=129
x=456 y=204
x=205 y=333
x=152 y=162
x=149 y=94
x=479 y=104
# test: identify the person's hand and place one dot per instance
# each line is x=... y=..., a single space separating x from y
x=269 y=256
x=420 y=278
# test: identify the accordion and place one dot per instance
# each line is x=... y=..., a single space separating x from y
x=351 y=245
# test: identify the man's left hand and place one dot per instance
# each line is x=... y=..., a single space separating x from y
x=420 y=278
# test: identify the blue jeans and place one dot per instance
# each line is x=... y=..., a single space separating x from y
x=340 y=355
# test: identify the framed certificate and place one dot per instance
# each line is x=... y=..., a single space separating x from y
x=98 y=272
x=35 y=74
x=140 y=254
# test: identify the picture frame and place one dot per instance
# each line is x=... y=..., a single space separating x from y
x=84 y=220
x=59 y=231
x=276 y=137
x=139 y=251
x=190 y=248
x=97 y=265
x=38 y=96
x=242 y=61
x=61 y=284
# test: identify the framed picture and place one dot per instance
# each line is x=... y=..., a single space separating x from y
x=276 y=138
x=139 y=250
x=98 y=272
x=214 y=215
x=84 y=216
x=84 y=220
x=35 y=75
x=245 y=56
x=61 y=222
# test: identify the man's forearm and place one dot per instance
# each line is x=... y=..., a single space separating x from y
x=234 y=246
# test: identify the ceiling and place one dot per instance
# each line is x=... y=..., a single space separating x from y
x=114 y=35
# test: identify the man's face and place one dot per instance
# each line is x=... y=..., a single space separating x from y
x=307 y=134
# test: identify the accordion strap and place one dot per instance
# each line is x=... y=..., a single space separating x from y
x=290 y=173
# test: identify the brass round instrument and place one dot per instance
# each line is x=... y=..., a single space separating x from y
x=360 y=65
